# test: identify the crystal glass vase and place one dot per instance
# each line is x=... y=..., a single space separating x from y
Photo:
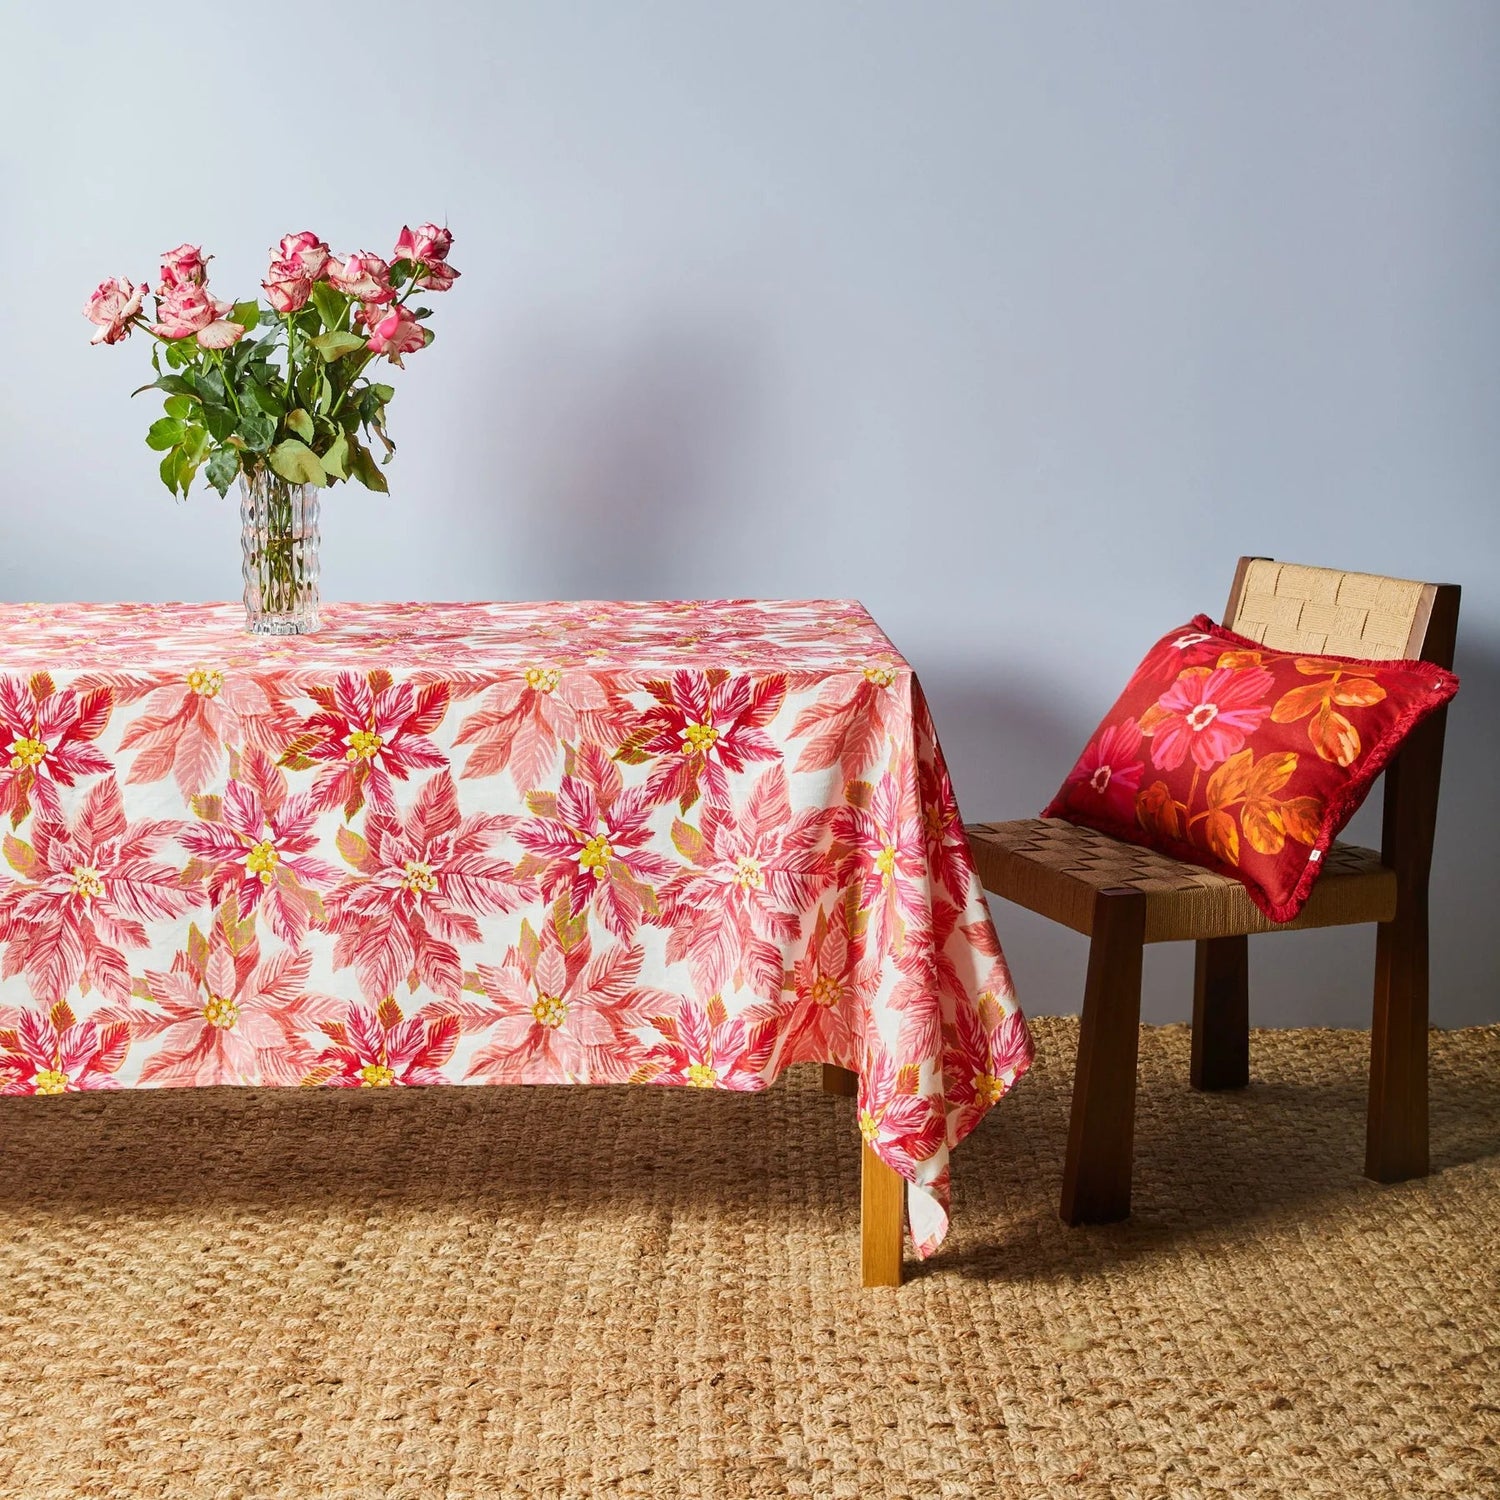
x=279 y=539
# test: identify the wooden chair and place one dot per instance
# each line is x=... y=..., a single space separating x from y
x=1124 y=897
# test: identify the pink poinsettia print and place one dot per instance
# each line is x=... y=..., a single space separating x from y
x=376 y=1047
x=592 y=843
x=522 y=724
x=369 y=730
x=564 y=1009
x=704 y=1047
x=185 y=726
x=687 y=843
x=420 y=883
x=734 y=911
x=829 y=1020
x=881 y=845
x=46 y=742
x=53 y=1052
x=86 y=891
x=257 y=846
x=701 y=727
x=226 y=1014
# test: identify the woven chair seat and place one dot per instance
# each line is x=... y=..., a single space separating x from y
x=1057 y=869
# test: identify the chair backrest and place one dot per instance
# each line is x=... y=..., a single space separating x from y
x=1290 y=607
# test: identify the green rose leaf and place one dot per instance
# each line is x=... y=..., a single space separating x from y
x=222 y=468
x=258 y=430
x=336 y=459
x=265 y=397
x=246 y=314
x=297 y=462
x=366 y=470
x=331 y=304
x=211 y=385
x=180 y=407
x=220 y=421
x=385 y=392
x=300 y=423
x=165 y=433
x=175 y=384
x=336 y=345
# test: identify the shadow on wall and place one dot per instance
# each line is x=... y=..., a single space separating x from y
x=623 y=452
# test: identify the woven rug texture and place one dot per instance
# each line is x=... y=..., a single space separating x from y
x=450 y=1294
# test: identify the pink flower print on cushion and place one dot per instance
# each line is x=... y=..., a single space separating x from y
x=1207 y=713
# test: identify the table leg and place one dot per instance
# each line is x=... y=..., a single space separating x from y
x=837 y=1080
x=882 y=1220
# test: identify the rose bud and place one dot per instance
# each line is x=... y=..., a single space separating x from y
x=438 y=277
x=364 y=276
x=185 y=266
x=393 y=332
x=113 y=307
x=309 y=253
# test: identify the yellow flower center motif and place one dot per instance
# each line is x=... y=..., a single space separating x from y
x=419 y=876
x=25 y=753
x=550 y=1011
x=881 y=676
x=1202 y=716
x=221 y=1012
x=869 y=1126
x=205 y=682
x=262 y=860
x=364 y=744
x=595 y=855
x=542 y=679
x=699 y=739
x=50 y=1081
x=826 y=990
x=885 y=862
x=376 y=1076
x=88 y=884
x=748 y=874
x=701 y=1076
x=988 y=1089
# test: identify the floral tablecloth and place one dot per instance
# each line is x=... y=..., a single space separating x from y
x=683 y=843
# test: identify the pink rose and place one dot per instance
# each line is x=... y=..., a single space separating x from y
x=428 y=244
x=428 y=247
x=185 y=266
x=310 y=254
x=364 y=276
x=113 y=307
x=182 y=310
x=289 y=286
x=393 y=332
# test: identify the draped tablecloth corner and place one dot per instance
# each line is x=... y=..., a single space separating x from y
x=684 y=843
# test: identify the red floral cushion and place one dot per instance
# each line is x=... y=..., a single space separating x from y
x=1245 y=760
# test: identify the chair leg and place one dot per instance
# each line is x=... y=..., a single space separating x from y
x=837 y=1080
x=1221 y=1014
x=1096 y=1176
x=882 y=1220
x=1396 y=1133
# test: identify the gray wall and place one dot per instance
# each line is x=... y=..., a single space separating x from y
x=1018 y=322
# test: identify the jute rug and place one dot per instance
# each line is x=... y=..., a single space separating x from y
x=465 y=1293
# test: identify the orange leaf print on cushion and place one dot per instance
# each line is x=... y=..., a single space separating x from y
x=1333 y=734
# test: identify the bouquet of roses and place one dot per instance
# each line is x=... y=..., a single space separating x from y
x=280 y=384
